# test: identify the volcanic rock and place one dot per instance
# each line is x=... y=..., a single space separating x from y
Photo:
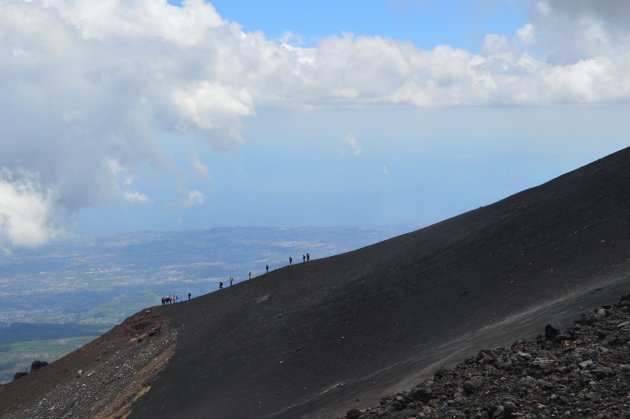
x=353 y=414
x=592 y=389
x=38 y=364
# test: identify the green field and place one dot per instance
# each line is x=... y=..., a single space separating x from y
x=18 y=356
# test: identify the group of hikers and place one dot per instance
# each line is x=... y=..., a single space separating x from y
x=171 y=299
x=305 y=258
x=232 y=281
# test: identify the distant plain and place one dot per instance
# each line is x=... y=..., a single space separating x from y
x=93 y=284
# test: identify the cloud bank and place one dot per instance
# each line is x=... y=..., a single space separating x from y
x=87 y=85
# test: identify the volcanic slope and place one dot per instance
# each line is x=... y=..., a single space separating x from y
x=319 y=338
x=316 y=339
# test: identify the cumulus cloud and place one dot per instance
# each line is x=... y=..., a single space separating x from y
x=354 y=144
x=26 y=214
x=526 y=34
x=88 y=82
x=193 y=197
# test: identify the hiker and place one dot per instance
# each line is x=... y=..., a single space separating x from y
x=303 y=258
x=290 y=260
x=231 y=280
x=250 y=275
x=267 y=268
x=308 y=257
x=189 y=294
x=220 y=285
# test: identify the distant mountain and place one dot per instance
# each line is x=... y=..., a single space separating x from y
x=319 y=338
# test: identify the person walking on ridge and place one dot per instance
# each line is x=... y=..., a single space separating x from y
x=290 y=260
x=250 y=275
x=308 y=257
x=220 y=285
x=267 y=268
x=303 y=258
x=231 y=280
x=189 y=294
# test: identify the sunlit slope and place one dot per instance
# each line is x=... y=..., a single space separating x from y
x=316 y=339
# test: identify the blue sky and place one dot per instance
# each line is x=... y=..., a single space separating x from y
x=136 y=115
x=426 y=23
x=438 y=164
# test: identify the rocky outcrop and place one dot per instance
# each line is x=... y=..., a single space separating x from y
x=100 y=380
x=38 y=364
x=583 y=371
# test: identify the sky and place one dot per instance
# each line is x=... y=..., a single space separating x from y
x=124 y=115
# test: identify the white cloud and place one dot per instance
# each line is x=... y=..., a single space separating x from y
x=88 y=82
x=193 y=197
x=26 y=214
x=526 y=34
x=353 y=143
x=135 y=196
x=123 y=183
x=200 y=169
x=385 y=170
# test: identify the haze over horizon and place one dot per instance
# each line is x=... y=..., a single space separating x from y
x=147 y=115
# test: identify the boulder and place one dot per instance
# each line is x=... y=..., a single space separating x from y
x=444 y=372
x=472 y=386
x=353 y=414
x=541 y=363
x=38 y=364
x=551 y=332
x=496 y=411
x=586 y=364
x=400 y=403
x=422 y=394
